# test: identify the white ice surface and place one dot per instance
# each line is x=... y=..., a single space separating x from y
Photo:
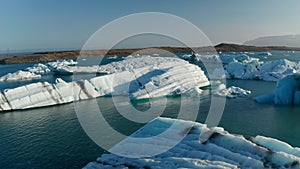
x=268 y=71
x=19 y=75
x=64 y=70
x=128 y=64
x=222 y=58
x=35 y=71
x=220 y=150
x=242 y=66
x=231 y=92
x=147 y=76
x=137 y=78
x=39 y=68
x=59 y=63
x=265 y=53
x=276 y=145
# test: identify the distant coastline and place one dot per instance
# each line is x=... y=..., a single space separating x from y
x=56 y=55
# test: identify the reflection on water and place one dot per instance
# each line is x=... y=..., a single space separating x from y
x=52 y=136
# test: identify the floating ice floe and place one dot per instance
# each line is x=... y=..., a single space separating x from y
x=19 y=75
x=237 y=70
x=185 y=56
x=29 y=73
x=194 y=57
x=128 y=64
x=242 y=58
x=221 y=58
x=39 y=68
x=287 y=92
x=69 y=70
x=275 y=70
x=35 y=71
x=138 y=78
x=112 y=57
x=269 y=71
x=242 y=66
x=231 y=92
x=67 y=62
x=218 y=74
x=265 y=53
x=219 y=149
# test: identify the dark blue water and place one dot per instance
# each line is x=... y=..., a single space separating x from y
x=52 y=137
x=44 y=138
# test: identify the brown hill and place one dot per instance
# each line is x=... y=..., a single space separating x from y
x=52 y=56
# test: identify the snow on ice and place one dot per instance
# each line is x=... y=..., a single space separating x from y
x=138 y=78
x=231 y=92
x=220 y=150
x=19 y=75
x=35 y=71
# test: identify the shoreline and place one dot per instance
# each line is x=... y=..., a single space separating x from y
x=61 y=55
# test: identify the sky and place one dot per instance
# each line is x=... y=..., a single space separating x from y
x=67 y=24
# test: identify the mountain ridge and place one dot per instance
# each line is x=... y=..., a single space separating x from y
x=281 y=40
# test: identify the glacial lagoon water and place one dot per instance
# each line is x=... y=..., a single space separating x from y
x=52 y=137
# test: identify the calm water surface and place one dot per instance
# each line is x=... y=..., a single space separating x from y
x=52 y=137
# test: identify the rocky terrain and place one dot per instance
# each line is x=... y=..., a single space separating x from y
x=56 y=55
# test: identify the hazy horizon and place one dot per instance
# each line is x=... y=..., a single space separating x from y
x=36 y=25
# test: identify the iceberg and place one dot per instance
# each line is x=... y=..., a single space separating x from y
x=265 y=53
x=190 y=57
x=268 y=71
x=220 y=150
x=35 y=71
x=59 y=63
x=19 y=75
x=113 y=57
x=185 y=56
x=231 y=92
x=235 y=70
x=129 y=63
x=137 y=78
x=69 y=70
x=229 y=58
x=287 y=92
x=275 y=70
x=39 y=68
x=241 y=57
x=219 y=74
x=29 y=73
x=242 y=66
